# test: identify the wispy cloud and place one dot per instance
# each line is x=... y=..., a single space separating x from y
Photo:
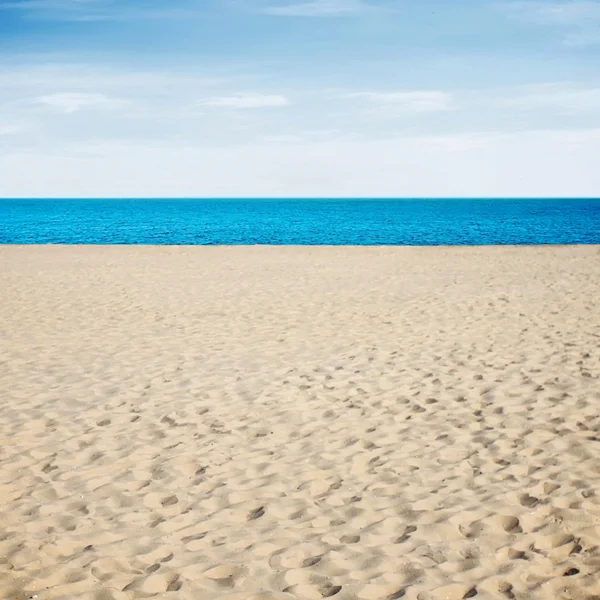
x=551 y=99
x=74 y=102
x=86 y=101
x=46 y=4
x=316 y=135
x=536 y=163
x=56 y=9
x=11 y=128
x=94 y=10
x=579 y=20
x=107 y=10
x=408 y=102
x=563 y=98
x=93 y=77
x=319 y=8
x=247 y=101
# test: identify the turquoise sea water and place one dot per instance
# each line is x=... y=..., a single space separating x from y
x=304 y=222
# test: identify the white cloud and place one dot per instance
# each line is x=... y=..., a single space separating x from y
x=11 y=128
x=94 y=77
x=247 y=101
x=319 y=8
x=538 y=163
x=408 y=102
x=560 y=97
x=73 y=102
x=325 y=142
x=306 y=136
x=580 y=20
x=561 y=13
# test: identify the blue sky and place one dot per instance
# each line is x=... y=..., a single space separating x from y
x=299 y=98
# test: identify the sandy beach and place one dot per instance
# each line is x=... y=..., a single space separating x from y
x=264 y=423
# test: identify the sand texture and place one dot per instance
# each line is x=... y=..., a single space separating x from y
x=276 y=423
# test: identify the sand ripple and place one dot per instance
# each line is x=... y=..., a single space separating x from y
x=280 y=423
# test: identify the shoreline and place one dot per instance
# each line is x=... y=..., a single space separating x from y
x=301 y=246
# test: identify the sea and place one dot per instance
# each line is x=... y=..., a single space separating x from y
x=394 y=222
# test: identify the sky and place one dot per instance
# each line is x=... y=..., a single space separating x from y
x=299 y=98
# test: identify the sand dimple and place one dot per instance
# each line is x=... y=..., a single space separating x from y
x=280 y=423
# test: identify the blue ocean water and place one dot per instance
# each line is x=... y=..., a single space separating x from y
x=303 y=222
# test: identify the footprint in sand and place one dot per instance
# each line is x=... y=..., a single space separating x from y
x=257 y=513
x=314 y=592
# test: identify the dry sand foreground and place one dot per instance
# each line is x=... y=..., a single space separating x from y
x=271 y=423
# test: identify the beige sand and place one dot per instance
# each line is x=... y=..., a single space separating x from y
x=270 y=423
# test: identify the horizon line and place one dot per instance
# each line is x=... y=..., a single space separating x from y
x=296 y=198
